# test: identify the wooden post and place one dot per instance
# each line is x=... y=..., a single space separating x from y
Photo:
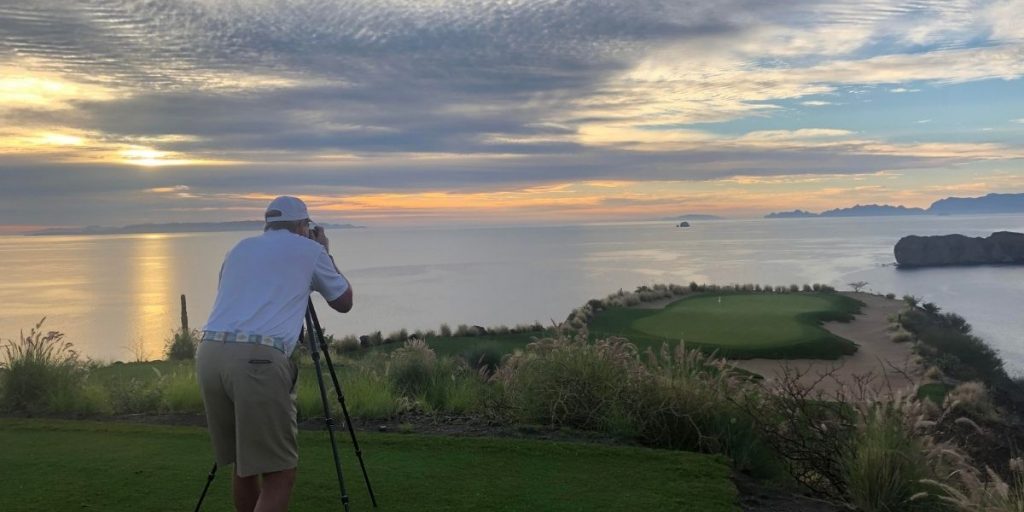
x=184 y=315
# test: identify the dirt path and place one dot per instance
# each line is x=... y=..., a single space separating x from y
x=888 y=364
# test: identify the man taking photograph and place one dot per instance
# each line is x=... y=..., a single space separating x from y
x=245 y=374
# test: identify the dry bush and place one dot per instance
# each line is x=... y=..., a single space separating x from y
x=852 y=445
x=901 y=335
x=971 y=399
x=933 y=374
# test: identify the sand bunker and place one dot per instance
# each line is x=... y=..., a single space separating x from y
x=888 y=365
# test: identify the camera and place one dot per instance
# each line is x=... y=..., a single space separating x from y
x=314 y=228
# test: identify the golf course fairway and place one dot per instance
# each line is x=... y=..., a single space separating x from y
x=84 y=465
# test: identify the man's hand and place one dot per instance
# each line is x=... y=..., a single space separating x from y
x=320 y=237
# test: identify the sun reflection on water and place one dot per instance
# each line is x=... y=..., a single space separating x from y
x=151 y=283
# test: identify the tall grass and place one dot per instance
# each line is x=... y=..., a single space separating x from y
x=368 y=393
x=569 y=382
x=43 y=373
x=985 y=491
x=889 y=462
x=411 y=368
x=676 y=399
x=181 y=392
x=135 y=395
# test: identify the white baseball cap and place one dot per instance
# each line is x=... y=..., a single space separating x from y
x=286 y=208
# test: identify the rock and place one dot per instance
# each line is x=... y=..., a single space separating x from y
x=684 y=224
x=1004 y=247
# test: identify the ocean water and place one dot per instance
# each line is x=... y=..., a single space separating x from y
x=116 y=297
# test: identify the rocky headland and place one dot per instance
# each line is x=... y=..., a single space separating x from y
x=1001 y=248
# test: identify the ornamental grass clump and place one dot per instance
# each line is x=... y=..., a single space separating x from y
x=569 y=382
x=971 y=399
x=42 y=373
x=674 y=398
x=680 y=400
x=984 y=491
x=890 y=461
x=411 y=368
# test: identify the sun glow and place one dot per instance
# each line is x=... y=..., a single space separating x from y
x=21 y=88
x=61 y=139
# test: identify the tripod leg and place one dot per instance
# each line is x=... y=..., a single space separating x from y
x=315 y=353
x=341 y=399
x=209 y=480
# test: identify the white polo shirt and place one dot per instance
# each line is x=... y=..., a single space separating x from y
x=265 y=283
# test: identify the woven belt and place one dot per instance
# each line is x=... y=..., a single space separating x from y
x=240 y=337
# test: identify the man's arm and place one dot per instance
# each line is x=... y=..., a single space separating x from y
x=342 y=304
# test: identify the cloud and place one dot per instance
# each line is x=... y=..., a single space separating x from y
x=132 y=99
x=803 y=133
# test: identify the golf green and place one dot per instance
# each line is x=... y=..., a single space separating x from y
x=740 y=324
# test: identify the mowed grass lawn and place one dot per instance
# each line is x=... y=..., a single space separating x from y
x=79 y=465
x=740 y=325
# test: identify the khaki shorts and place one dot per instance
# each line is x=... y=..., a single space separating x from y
x=249 y=394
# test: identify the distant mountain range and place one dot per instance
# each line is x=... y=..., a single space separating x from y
x=694 y=216
x=174 y=227
x=991 y=203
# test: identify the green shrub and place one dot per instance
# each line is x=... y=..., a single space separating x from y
x=346 y=344
x=484 y=357
x=182 y=345
x=399 y=336
x=958 y=354
x=41 y=373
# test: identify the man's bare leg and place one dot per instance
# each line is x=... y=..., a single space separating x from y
x=246 y=492
x=276 y=491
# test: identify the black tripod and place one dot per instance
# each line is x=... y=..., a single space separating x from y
x=317 y=345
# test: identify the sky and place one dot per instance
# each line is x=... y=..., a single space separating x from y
x=394 y=112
